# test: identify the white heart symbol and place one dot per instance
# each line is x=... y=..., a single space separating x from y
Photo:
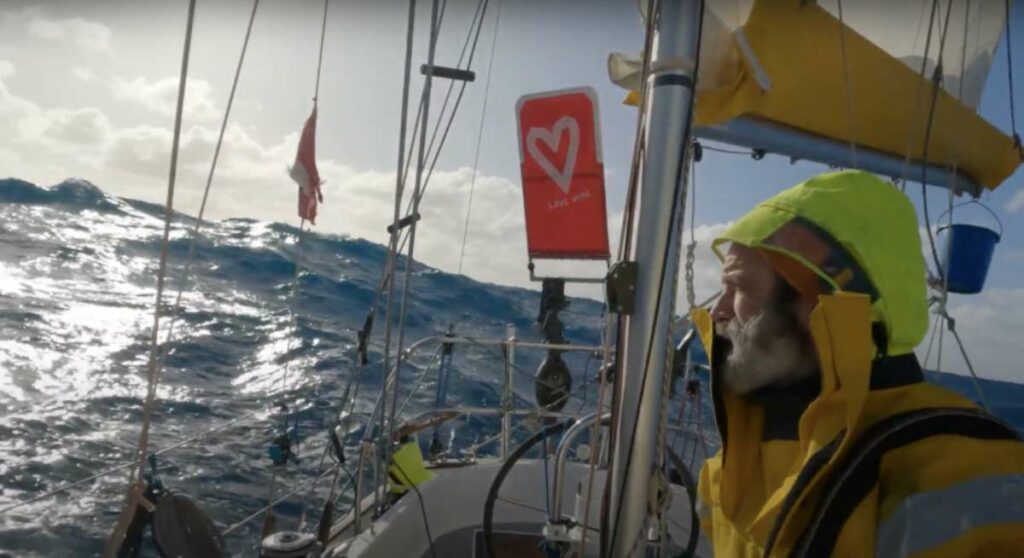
x=553 y=138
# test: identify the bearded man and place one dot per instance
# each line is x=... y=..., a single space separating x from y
x=832 y=442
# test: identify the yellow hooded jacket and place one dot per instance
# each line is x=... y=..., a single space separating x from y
x=851 y=239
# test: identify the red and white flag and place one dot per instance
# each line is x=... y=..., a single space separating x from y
x=304 y=171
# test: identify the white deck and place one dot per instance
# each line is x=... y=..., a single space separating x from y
x=454 y=502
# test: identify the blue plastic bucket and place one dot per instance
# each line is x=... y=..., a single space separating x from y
x=966 y=255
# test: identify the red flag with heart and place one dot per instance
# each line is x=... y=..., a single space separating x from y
x=563 y=175
x=304 y=171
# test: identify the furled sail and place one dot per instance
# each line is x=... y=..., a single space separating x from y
x=809 y=80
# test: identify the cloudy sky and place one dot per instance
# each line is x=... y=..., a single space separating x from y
x=87 y=89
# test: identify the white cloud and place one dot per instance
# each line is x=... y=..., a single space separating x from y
x=6 y=68
x=50 y=144
x=1016 y=203
x=161 y=96
x=83 y=73
x=77 y=31
x=78 y=127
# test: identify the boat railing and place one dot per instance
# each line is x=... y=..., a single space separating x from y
x=505 y=411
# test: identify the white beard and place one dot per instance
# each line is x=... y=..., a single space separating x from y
x=769 y=350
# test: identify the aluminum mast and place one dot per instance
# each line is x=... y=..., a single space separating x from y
x=655 y=250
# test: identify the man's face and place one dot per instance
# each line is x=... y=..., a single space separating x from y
x=765 y=322
x=748 y=283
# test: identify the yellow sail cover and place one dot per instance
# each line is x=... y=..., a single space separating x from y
x=785 y=64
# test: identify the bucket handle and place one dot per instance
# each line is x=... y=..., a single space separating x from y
x=979 y=204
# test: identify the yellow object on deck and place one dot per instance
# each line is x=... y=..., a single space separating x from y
x=407 y=468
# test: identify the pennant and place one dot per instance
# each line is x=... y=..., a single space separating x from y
x=304 y=171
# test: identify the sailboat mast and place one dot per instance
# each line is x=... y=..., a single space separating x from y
x=655 y=249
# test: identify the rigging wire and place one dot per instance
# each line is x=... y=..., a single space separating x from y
x=388 y=271
x=473 y=32
x=1009 y=76
x=846 y=86
x=297 y=285
x=194 y=237
x=417 y=196
x=477 y=17
x=447 y=96
x=320 y=57
x=917 y=97
x=458 y=102
x=936 y=84
x=915 y=106
x=931 y=339
x=392 y=258
x=407 y=280
x=942 y=312
x=480 y=135
x=136 y=478
x=970 y=367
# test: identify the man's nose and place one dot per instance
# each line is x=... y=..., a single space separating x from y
x=722 y=311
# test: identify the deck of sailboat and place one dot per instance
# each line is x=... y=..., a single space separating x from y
x=452 y=506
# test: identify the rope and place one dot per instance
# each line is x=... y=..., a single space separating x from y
x=388 y=272
x=846 y=85
x=190 y=256
x=458 y=102
x=403 y=305
x=320 y=57
x=943 y=314
x=393 y=240
x=944 y=284
x=936 y=83
x=136 y=478
x=639 y=146
x=296 y=288
x=302 y=222
x=931 y=340
x=469 y=44
x=419 y=381
x=480 y=135
x=970 y=367
x=915 y=106
x=423 y=509
x=1009 y=76
x=447 y=95
x=917 y=97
